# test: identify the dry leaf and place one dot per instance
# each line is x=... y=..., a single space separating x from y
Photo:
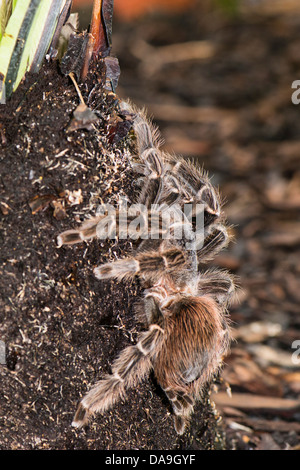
x=83 y=118
x=39 y=203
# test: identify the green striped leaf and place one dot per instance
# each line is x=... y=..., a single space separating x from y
x=26 y=39
x=5 y=12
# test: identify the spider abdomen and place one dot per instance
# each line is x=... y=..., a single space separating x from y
x=191 y=350
x=196 y=337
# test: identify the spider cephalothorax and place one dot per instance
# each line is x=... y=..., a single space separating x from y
x=185 y=310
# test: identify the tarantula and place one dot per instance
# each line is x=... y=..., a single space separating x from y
x=184 y=309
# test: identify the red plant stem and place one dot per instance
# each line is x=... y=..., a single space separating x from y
x=97 y=29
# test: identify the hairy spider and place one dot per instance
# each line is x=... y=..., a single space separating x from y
x=185 y=310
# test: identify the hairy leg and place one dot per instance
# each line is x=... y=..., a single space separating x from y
x=151 y=265
x=127 y=371
x=216 y=238
x=217 y=284
x=183 y=405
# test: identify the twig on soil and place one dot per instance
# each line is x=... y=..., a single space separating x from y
x=71 y=75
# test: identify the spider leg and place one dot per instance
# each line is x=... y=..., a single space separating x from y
x=183 y=405
x=194 y=183
x=217 y=284
x=134 y=223
x=181 y=183
x=148 y=141
x=153 y=164
x=147 y=135
x=86 y=231
x=151 y=265
x=151 y=191
x=127 y=371
x=215 y=239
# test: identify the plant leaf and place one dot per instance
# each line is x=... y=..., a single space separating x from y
x=5 y=12
x=12 y=75
x=39 y=36
x=52 y=25
x=8 y=42
x=26 y=39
